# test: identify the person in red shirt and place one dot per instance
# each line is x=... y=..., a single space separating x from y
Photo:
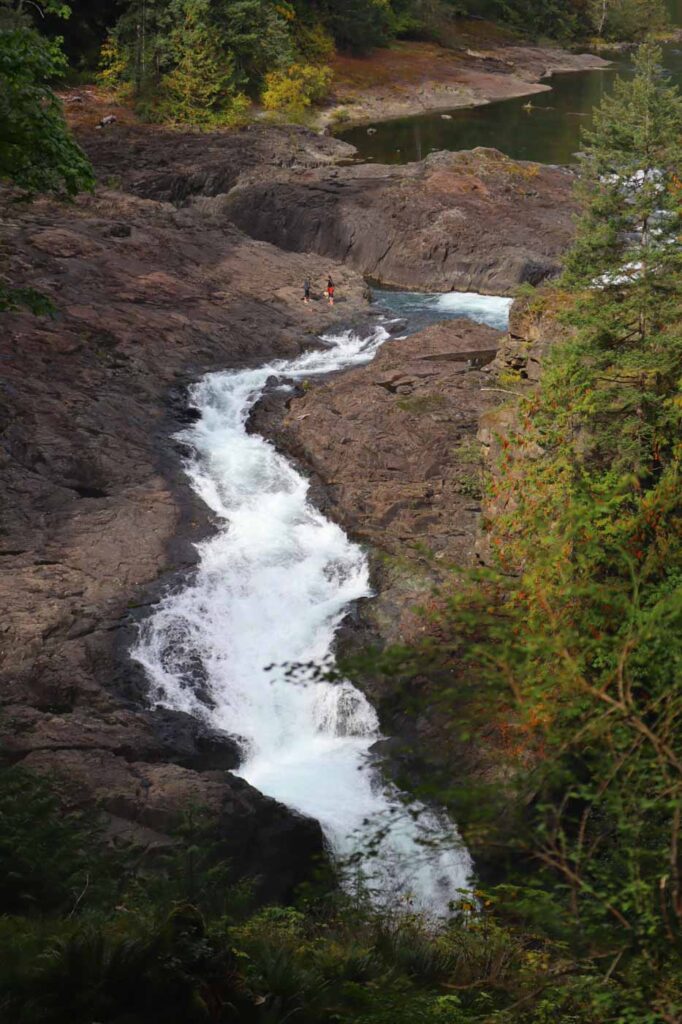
x=330 y=289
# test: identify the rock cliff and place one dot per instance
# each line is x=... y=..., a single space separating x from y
x=470 y=221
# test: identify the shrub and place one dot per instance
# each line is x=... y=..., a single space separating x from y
x=50 y=861
x=37 y=152
x=631 y=20
x=113 y=65
x=292 y=91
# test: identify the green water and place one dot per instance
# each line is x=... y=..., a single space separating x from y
x=548 y=132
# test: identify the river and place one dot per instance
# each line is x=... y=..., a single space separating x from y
x=241 y=644
x=547 y=131
x=270 y=591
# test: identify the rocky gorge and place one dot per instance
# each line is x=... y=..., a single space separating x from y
x=188 y=258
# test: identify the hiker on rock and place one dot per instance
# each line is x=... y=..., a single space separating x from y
x=306 y=291
x=330 y=289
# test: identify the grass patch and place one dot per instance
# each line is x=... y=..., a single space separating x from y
x=421 y=404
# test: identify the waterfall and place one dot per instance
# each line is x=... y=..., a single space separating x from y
x=270 y=590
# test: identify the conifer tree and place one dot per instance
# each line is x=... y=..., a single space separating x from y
x=201 y=85
x=627 y=261
x=37 y=152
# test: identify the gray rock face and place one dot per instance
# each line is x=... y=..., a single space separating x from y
x=171 y=167
x=471 y=221
x=474 y=220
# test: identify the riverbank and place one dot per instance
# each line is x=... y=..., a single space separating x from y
x=416 y=77
x=405 y=79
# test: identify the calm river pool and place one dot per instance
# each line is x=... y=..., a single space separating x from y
x=548 y=132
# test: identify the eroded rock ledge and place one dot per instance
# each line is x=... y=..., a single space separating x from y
x=468 y=221
x=392 y=443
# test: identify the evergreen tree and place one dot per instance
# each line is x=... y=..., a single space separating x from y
x=143 y=37
x=258 y=37
x=37 y=152
x=201 y=86
x=627 y=260
x=358 y=25
x=577 y=638
x=629 y=19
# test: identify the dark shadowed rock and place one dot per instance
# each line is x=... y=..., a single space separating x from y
x=260 y=838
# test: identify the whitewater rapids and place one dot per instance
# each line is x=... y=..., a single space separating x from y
x=271 y=588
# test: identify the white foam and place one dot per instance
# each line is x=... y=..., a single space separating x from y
x=270 y=590
x=483 y=309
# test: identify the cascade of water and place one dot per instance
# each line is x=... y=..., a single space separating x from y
x=271 y=588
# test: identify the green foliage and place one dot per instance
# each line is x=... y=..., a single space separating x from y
x=293 y=90
x=569 y=649
x=552 y=18
x=201 y=87
x=37 y=152
x=43 y=865
x=112 y=64
x=12 y=299
x=257 y=32
x=193 y=61
x=629 y=20
x=313 y=43
x=88 y=935
x=358 y=25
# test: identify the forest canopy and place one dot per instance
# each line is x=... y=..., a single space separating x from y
x=206 y=60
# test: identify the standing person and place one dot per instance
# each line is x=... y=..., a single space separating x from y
x=306 y=291
x=330 y=289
